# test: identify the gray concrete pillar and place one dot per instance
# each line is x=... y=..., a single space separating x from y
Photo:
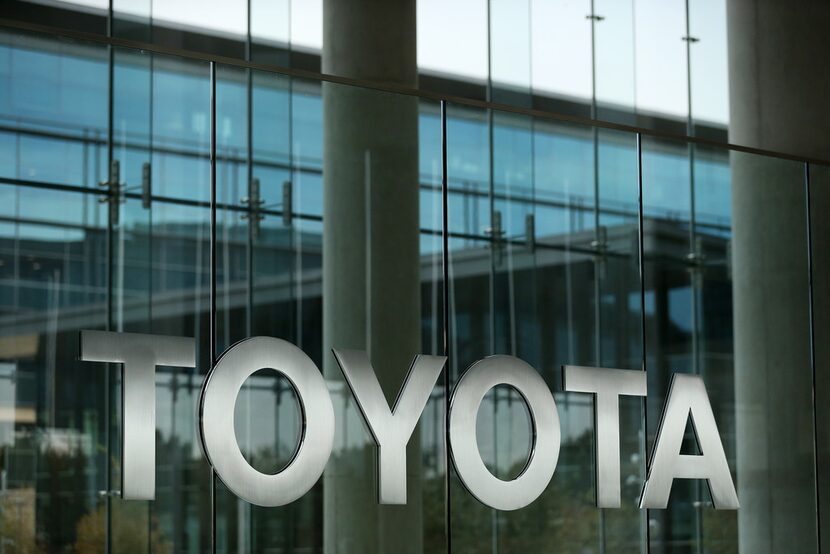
x=779 y=90
x=774 y=431
x=371 y=289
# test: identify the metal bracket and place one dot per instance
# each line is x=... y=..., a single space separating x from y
x=697 y=257
x=146 y=185
x=690 y=39
x=600 y=244
x=530 y=233
x=697 y=262
x=595 y=17
x=254 y=203
x=113 y=192
x=496 y=234
x=287 y=198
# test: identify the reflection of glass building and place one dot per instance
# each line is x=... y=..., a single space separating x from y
x=615 y=205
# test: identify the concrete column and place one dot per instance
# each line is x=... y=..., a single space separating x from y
x=371 y=289
x=779 y=92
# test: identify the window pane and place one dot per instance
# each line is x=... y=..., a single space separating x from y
x=726 y=298
x=543 y=267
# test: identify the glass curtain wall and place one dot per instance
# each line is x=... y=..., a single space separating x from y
x=566 y=244
x=660 y=64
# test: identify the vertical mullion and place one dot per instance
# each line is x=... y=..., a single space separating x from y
x=813 y=399
x=212 y=320
x=694 y=255
x=176 y=503
x=495 y=253
x=494 y=239
x=109 y=257
x=250 y=178
x=445 y=267
x=151 y=85
x=249 y=262
x=598 y=239
x=696 y=280
x=249 y=269
x=641 y=262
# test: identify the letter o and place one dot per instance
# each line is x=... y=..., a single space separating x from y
x=544 y=453
x=216 y=415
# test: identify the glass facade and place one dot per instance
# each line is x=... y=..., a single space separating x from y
x=658 y=64
x=149 y=192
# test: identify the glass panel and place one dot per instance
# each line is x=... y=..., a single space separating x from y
x=259 y=276
x=380 y=173
x=53 y=117
x=510 y=51
x=661 y=82
x=543 y=255
x=211 y=26
x=161 y=115
x=562 y=65
x=270 y=31
x=452 y=44
x=820 y=236
x=54 y=414
x=726 y=299
x=272 y=281
x=615 y=72
x=775 y=452
x=75 y=15
x=132 y=268
x=646 y=62
x=708 y=68
x=673 y=299
x=132 y=19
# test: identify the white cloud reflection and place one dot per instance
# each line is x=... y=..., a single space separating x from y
x=543 y=45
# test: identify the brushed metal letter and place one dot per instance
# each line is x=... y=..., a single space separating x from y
x=390 y=429
x=216 y=410
x=688 y=398
x=139 y=354
x=607 y=385
x=467 y=396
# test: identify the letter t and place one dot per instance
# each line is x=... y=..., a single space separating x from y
x=140 y=355
x=608 y=385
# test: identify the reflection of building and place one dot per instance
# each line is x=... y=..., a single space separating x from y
x=105 y=222
x=560 y=266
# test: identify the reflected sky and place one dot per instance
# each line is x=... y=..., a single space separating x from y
x=539 y=45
